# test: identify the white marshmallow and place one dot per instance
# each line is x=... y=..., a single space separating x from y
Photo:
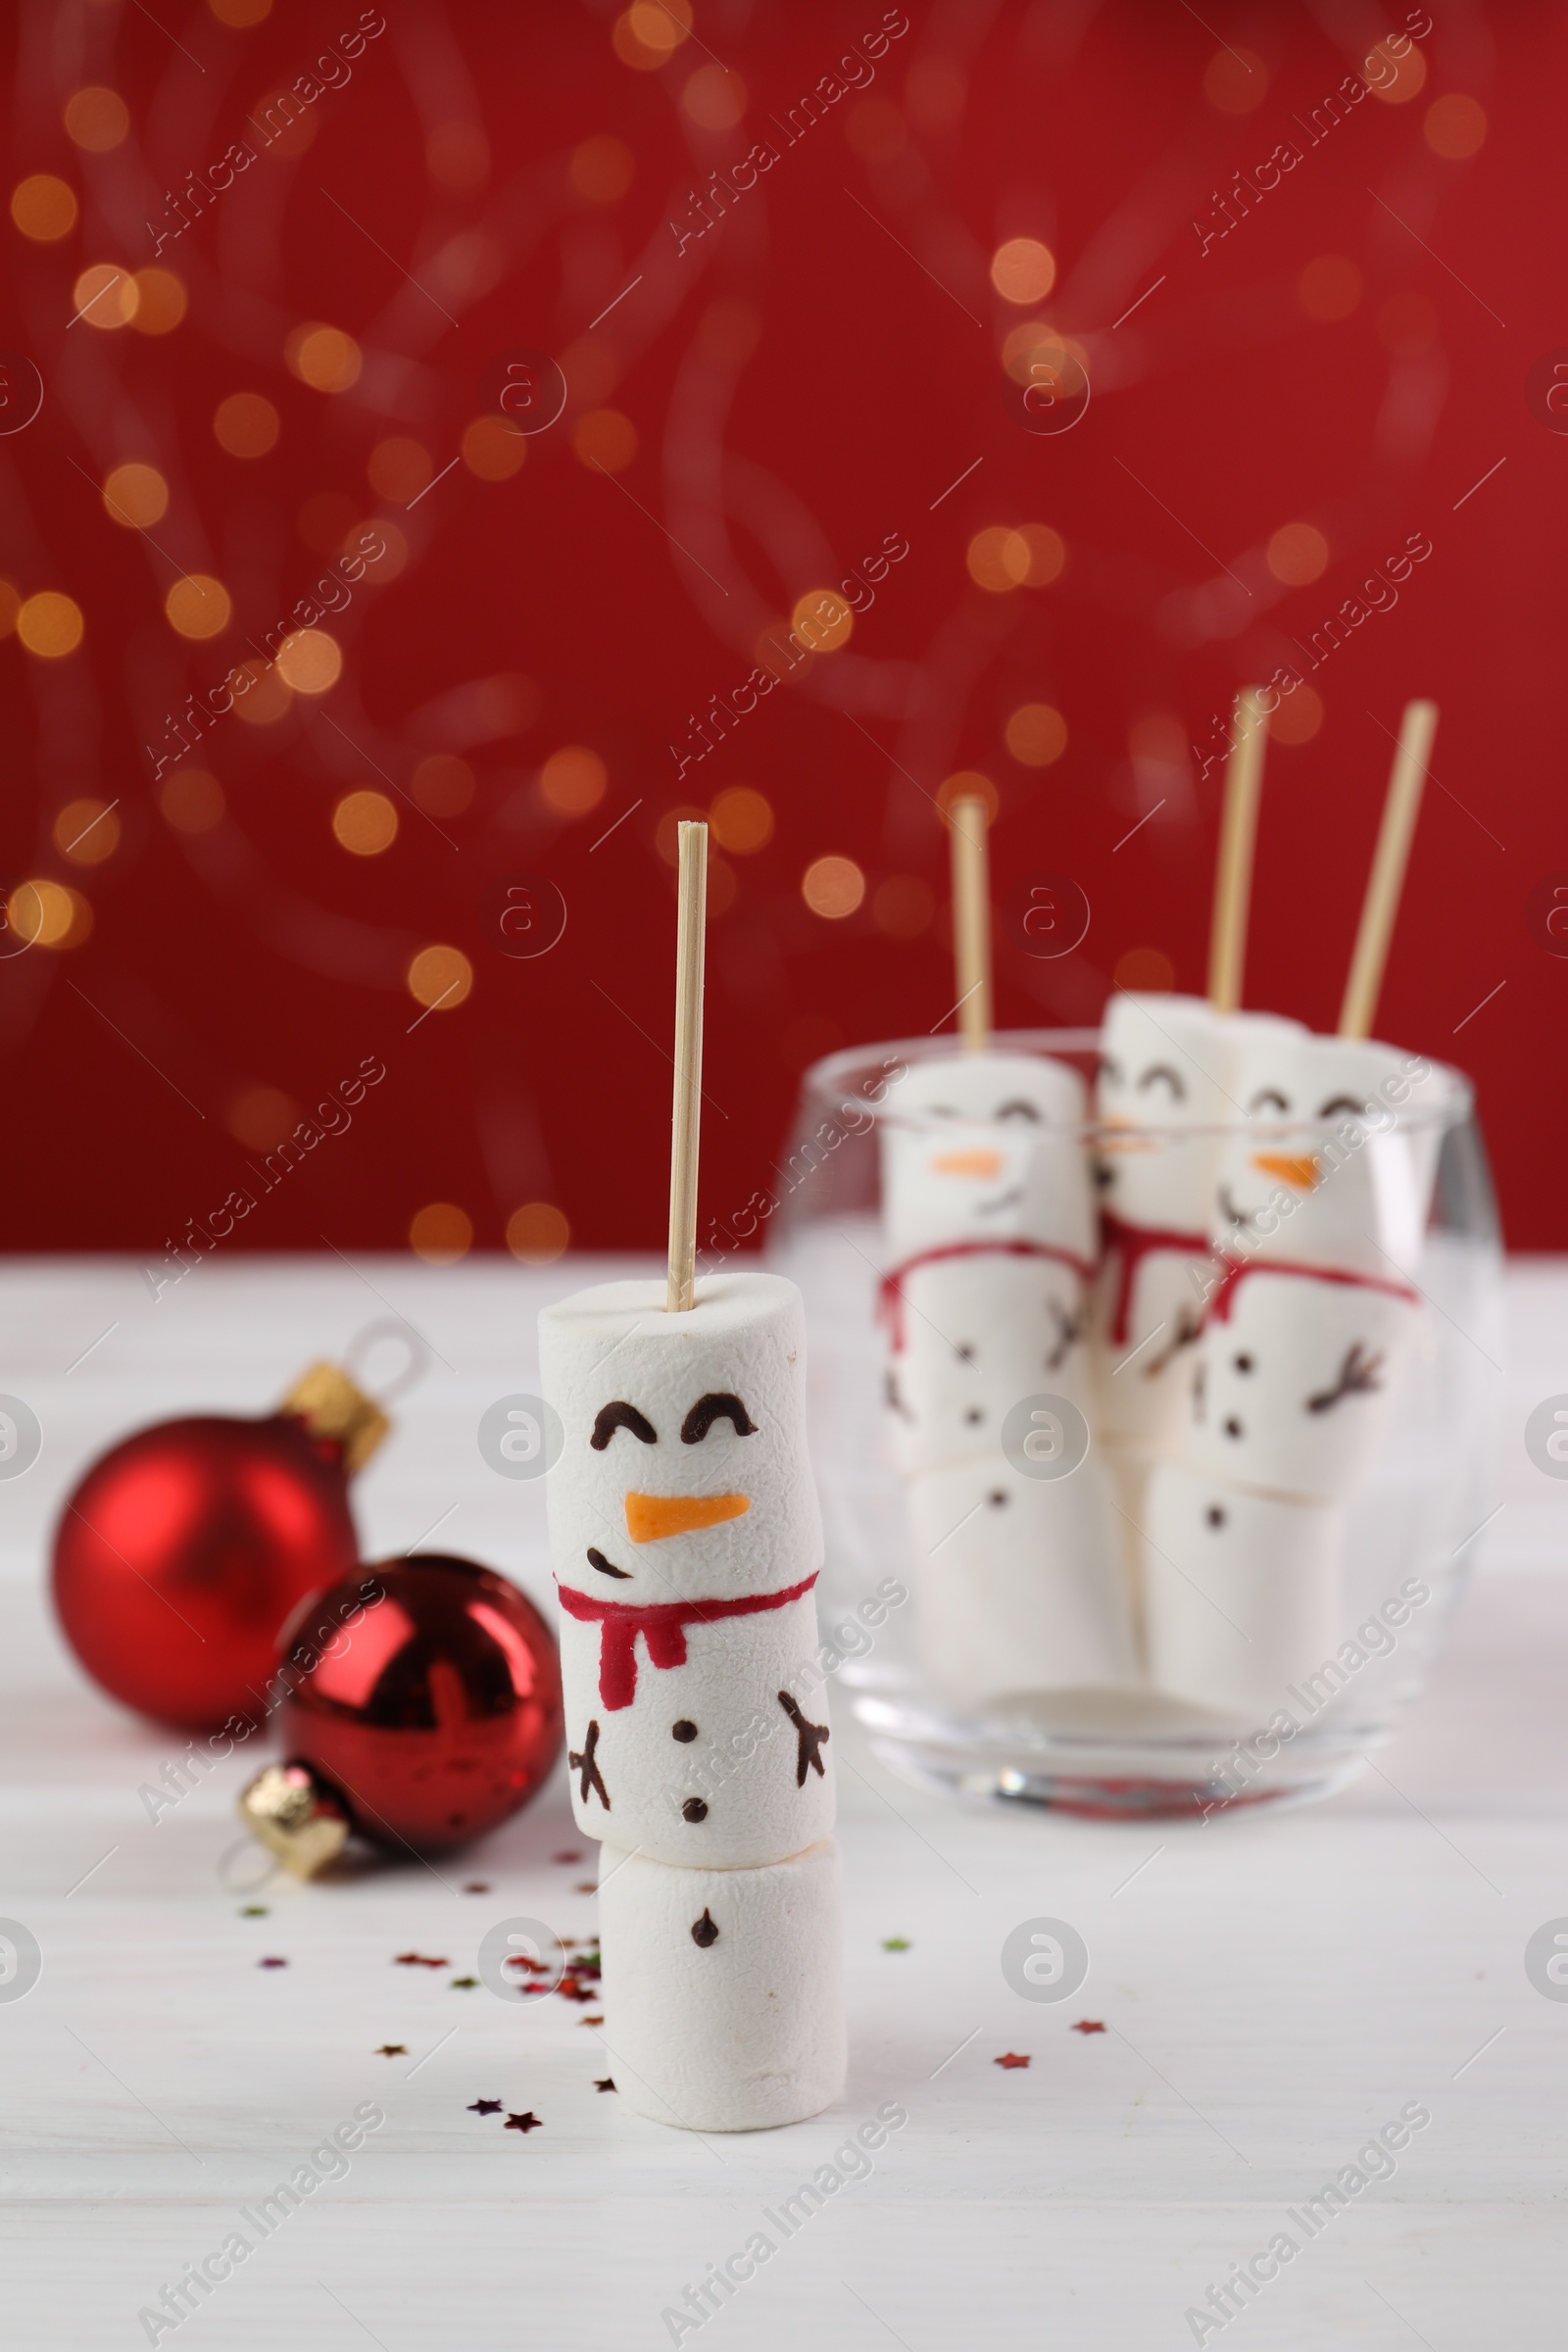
x=745 y=2028
x=1147 y=1310
x=1240 y=1591
x=1293 y=1381
x=1317 y=1182
x=708 y=1765
x=704 y=1624
x=998 y=1153
x=966 y=1337
x=1019 y=1583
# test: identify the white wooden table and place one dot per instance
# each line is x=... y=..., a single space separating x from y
x=1274 y=1990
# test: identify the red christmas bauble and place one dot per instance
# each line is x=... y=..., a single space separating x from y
x=437 y=1712
x=181 y=1553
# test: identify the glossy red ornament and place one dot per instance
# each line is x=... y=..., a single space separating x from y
x=181 y=1553
x=434 y=1715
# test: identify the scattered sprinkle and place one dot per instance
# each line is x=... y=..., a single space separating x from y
x=464 y=1983
x=1009 y=2059
x=1088 y=2025
x=484 y=2107
x=393 y=2049
x=272 y=1961
x=566 y=1859
x=527 y=1963
x=590 y=2020
x=521 y=2123
x=253 y=1911
x=607 y=2084
x=477 y=1886
x=897 y=1943
x=586 y=1887
x=419 y=1960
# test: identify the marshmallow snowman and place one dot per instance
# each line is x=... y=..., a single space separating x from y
x=1020 y=1581
x=998 y=1155
x=721 y=2016
x=970 y=1334
x=1166 y=1092
x=1240 y=1591
x=686 y=1540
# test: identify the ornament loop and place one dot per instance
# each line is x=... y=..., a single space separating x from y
x=388 y=1327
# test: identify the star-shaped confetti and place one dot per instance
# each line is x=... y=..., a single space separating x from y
x=272 y=1961
x=608 y=2084
x=565 y=1860
x=590 y=2020
x=1010 y=2059
x=464 y=1983
x=484 y=2107
x=477 y=1886
x=419 y=1960
x=253 y=1911
x=521 y=2123
x=586 y=1887
x=393 y=2049
x=1088 y=2025
x=897 y=1943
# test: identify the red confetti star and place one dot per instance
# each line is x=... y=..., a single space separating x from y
x=1089 y=2024
x=419 y=1960
x=586 y=1887
x=565 y=1860
x=1009 y=2059
x=590 y=2020
x=521 y=2123
x=608 y=2084
x=393 y=2049
x=484 y=2107
x=477 y=1886
x=272 y=1961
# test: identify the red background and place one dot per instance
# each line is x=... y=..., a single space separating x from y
x=261 y=954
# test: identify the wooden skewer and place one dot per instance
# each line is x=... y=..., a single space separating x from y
x=690 y=935
x=1381 y=905
x=971 y=921
x=1233 y=879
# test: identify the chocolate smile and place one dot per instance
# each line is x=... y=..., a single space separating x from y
x=597 y=1559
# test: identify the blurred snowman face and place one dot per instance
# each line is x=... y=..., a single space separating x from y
x=684 y=1470
x=1325 y=1176
x=996 y=1154
x=1163 y=1066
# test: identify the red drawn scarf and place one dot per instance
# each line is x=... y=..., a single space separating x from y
x=662 y=1625
x=1132 y=1245
x=891 y=1301
x=1237 y=1268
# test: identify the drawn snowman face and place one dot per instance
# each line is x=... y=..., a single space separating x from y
x=684 y=1471
x=1321 y=1177
x=1164 y=1091
x=995 y=1153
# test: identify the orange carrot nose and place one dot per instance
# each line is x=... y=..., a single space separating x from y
x=967 y=1163
x=1303 y=1171
x=650 y=1516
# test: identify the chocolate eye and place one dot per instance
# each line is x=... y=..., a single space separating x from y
x=611 y=1417
x=1112 y=1069
x=1267 y=1097
x=1215 y=1515
x=1017 y=1108
x=1243 y=1363
x=716 y=1407
x=1160 y=1072
x=1344 y=1103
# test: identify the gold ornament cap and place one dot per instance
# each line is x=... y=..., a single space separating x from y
x=329 y=1405
x=294 y=1812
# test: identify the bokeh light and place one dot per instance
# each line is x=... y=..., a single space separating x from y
x=903 y=905
x=87 y=831
x=191 y=801
x=833 y=887
x=1036 y=735
x=48 y=914
x=1024 y=271
x=442 y=784
x=715 y=98
x=43 y=208
x=50 y=625
x=1146 y=969
x=323 y=357
x=104 y=296
x=96 y=119
x=602 y=169
x=135 y=497
x=1408 y=72
x=968 y=784
x=604 y=438
x=310 y=661
x=647 y=34
x=1000 y=559
x=399 y=469
x=160 y=302
x=1298 y=554
x=823 y=620
x=493 y=449
x=1236 y=81
x=267 y=699
x=1329 y=288
x=537 y=1233
x=573 y=780
x=240 y=15
x=366 y=824
x=1455 y=127
x=441 y=1232
x=198 y=606
x=440 y=978
x=742 y=820
x=1298 y=716
x=246 y=425
x=260 y=1115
